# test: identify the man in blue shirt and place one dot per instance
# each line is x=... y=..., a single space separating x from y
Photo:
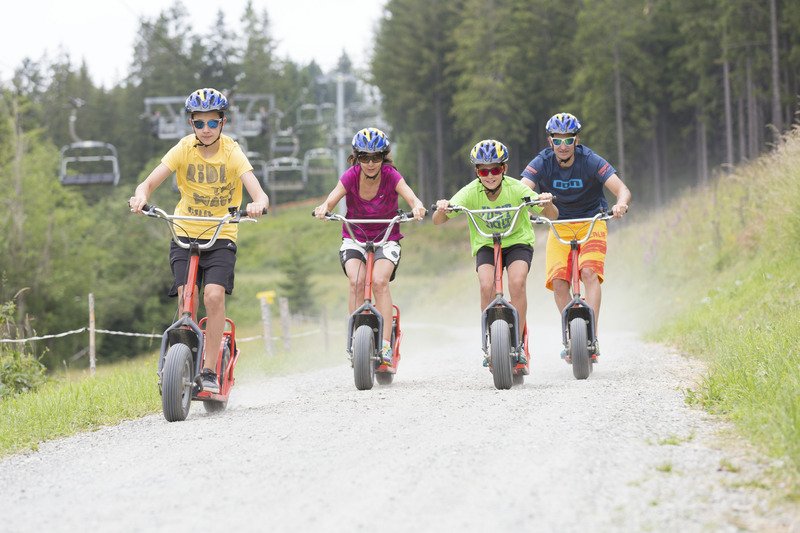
x=575 y=175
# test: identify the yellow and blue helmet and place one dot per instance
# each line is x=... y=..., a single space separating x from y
x=207 y=99
x=488 y=151
x=563 y=123
x=370 y=141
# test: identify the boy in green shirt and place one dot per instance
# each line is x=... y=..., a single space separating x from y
x=493 y=189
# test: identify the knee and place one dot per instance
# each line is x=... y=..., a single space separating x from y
x=380 y=283
x=588 y=276
x=214 y=298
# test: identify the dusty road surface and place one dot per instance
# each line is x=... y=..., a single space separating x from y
x=439 y=450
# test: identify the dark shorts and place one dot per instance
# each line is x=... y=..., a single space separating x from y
x=515 y=252
x=216 y=265
x=351 y=251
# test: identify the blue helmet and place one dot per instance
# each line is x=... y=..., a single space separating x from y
x=207 y=99
x=370 y=141
x=488 y=151
x=563 y=123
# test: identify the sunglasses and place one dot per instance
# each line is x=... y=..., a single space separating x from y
x=494 y=171
x=569 y=141
x=213 y=123
x=374 y=158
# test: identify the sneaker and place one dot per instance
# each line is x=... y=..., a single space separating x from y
x=565 y=356
x=486 y=361
x=596 y=348
x=209 y=381
x=386 y=354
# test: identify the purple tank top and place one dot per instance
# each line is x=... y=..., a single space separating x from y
x=383 y=205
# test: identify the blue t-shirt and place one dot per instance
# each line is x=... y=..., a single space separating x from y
x=579 y=188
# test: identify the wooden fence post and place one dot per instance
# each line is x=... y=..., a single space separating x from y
x=266 y=298
x=92 y=361
x=286 y=323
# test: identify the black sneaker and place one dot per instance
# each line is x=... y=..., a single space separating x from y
x=209 y=381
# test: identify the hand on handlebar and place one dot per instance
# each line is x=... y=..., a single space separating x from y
x=419 y=212
x=137 y=203
x=320 y=211
x=545 y=198
x=256 y=209
x=441 y=206
x=619 y=210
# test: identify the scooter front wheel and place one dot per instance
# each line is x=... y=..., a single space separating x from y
x=500 y=354
x=176 y=383
x=579 y=349
x=363 y=352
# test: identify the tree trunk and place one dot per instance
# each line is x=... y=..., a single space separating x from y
x=752 y=114
x=439 y=124
x=726 y=78
x=618 y=112
x=424 y=177
x=777 y=119
x=702 y=152
x=742 y=130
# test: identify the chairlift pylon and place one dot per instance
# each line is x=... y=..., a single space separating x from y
x=319 y=163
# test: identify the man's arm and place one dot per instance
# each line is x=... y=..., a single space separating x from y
x=622 y=193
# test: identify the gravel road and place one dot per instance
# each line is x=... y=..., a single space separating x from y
x=439 y=450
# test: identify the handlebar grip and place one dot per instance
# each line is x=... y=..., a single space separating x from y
x=408 y=214
x=242 y=213
x=146 y=207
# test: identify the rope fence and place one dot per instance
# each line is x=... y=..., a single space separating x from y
x=268 y=339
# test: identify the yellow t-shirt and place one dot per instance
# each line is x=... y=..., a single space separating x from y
x=208 y=187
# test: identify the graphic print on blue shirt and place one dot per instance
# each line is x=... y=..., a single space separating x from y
x=579 y=188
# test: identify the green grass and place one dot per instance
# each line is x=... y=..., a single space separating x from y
x=716 y=275
x=73 y=403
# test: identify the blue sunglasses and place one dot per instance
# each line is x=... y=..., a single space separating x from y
x=213 y=123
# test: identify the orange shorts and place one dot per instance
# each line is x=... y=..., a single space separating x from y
x=592 y=255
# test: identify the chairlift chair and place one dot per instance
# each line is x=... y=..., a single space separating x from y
x=259 y=167
x=89 y=163
x=309 y=115
x=167 y=117
x=319 y=163
x=285 y=142
x=285 y=174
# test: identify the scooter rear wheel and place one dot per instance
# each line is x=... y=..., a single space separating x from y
x=500 y=354
x=363 y=351
x=176 y=383
x=579 y=349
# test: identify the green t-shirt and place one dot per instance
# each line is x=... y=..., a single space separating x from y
x=473 y=196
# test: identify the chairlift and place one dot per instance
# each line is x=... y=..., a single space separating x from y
x=259 y=166
x=89 y=163
x=309 y=115
x=253 y=113
x=319 y=163
x=167 y=117
x=285 y=142
x=327 y=112
x=285 y=174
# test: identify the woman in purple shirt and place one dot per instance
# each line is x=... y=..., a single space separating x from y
x=371 y=187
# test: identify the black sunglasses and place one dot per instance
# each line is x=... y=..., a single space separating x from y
x=367 y=158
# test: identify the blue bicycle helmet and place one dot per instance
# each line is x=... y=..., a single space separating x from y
x=207 y=99
x=370 y=141
x=488 y=151
x=563 y=123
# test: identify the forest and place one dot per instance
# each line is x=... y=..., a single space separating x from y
x=671 y=92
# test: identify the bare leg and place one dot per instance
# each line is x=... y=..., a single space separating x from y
x=381 y=272
x=357 y=273
x=214 y=301
x=518 y=283
x=591 y=285
x=486 y=281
